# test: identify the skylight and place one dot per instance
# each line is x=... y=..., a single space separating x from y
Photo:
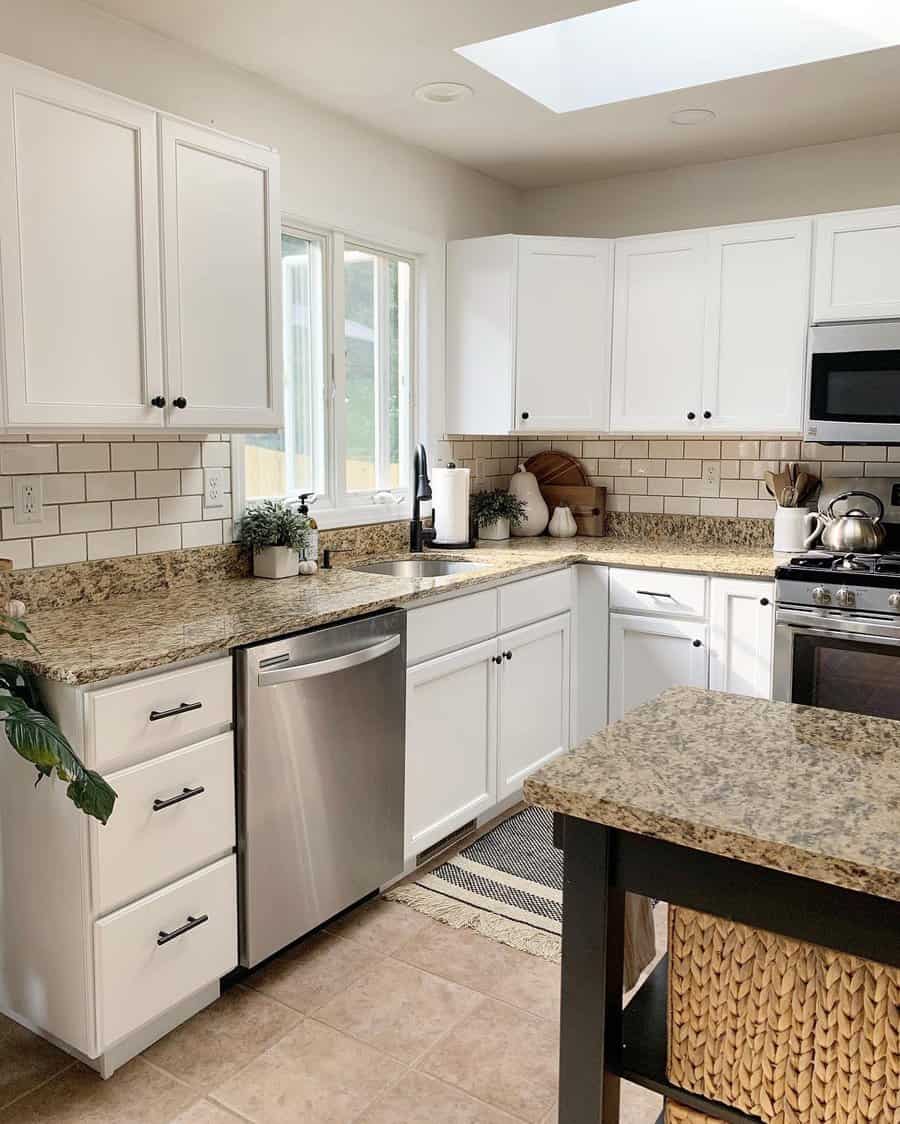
x=646 y=47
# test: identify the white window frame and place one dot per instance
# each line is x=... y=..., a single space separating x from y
x=335 y=506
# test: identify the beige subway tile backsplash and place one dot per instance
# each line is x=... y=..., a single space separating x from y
x=110 y=485
x=83 y=457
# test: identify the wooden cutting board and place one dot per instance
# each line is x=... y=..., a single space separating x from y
x=557 y=468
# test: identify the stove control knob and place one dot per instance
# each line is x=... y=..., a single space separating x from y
x=845 y=597
x=821 y=596
x=894 y=601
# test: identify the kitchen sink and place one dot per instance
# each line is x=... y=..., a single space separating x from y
x=418 y=567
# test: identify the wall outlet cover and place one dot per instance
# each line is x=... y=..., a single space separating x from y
x=213 y=488
x=711 y=472
x=28 y=499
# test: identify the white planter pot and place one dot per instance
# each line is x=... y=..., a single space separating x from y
x=494 y=532
x=276 y=562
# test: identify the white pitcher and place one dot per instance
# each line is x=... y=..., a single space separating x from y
x=796 y=528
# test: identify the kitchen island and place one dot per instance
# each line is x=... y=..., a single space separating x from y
x=776 y=816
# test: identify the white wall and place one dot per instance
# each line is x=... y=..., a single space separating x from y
x=334 y=172
x=798 y=181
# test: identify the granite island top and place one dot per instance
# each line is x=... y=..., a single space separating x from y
x=804 y=790
x=95 y=640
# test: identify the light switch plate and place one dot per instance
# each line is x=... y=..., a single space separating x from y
x=213 y=488
x=28 y=499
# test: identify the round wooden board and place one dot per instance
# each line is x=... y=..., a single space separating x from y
x=557 y=468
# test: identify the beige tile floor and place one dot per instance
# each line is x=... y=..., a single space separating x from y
x=387 y=1017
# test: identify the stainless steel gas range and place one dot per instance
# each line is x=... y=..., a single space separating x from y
x=837 y=621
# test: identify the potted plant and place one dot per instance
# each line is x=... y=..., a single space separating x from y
x=276 y=533
x=494 y=513
x=33 y=734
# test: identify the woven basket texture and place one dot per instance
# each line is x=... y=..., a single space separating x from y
x=785 y=1031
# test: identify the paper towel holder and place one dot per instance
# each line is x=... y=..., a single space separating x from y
x=468 y=544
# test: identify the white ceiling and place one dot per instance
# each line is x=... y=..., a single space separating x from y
x=364 y=58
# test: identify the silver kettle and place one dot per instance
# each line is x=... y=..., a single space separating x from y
x=856 y=531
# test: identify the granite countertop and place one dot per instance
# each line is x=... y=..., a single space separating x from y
x=808 y=791
x=89 y=642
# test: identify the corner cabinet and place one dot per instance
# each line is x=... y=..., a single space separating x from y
x=857 y=265
x=222 y=263
x=139 y=264
x=528 y=334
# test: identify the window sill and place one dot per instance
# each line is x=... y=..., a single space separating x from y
x=330 y=518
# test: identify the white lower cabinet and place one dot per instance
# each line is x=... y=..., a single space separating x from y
x=741 y=633
x=451 y=743
x=647 y=655
x=534 y=700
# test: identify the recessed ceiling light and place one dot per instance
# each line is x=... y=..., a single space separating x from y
x=442 y=93
x=692 y=116
x=646 y=47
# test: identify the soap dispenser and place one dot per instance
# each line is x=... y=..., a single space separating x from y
x=310 y=552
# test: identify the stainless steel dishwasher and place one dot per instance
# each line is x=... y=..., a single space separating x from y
x=320 y=736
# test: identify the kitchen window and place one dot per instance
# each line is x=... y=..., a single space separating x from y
x=348 y=337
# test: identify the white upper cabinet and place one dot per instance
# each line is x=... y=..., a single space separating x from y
x=222 y=268
x=857 y=274
x=658 y=333
x=757 y=315
x=79 y=251
x=528 y=334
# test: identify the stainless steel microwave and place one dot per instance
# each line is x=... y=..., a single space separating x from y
x=853 y=383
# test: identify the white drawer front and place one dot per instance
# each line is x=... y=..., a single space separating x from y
x=657 y=593
x=435 y=629
x=137 y=977
x=134 y=721
x=535 y=599
x=173 y=814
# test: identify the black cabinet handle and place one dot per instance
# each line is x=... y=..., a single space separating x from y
x=764 y=601
x=698 y=643
x=191 y=923
x=158 y=401
x=179 y=403
x=653 y=593
x=184 y=708
x=525 y=415
x=507 y=655
x=691 y=415
x=497 y=659
x=707 y=414
x=185 y=794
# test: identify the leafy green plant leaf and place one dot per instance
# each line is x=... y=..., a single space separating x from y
x=273 y=523
x=488 y=507
x=17 y=629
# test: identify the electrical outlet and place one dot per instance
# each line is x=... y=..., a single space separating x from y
x=213 y=488
x=28 y=499
x=711 y=473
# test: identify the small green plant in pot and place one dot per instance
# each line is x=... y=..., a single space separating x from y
x=495 y=512
x=35 y=736
x=276 y=533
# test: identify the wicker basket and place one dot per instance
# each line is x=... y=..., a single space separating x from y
x=789 y=1032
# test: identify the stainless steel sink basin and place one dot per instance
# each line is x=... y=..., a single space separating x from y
x=418 y=567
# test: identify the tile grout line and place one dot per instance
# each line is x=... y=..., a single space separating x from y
x=65 y=1069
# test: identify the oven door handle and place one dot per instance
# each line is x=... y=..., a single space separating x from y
x=799 y=625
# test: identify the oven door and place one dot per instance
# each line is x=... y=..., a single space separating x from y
x=841 y=663
x=854 y=383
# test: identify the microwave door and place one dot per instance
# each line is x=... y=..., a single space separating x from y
x=854 y=384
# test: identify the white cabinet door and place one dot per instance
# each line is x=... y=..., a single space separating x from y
x=222 y=270
x=658 y=333
x=757 y=321
x=79 y=252
x=647 y=655
x=741 y=622
x=451 y=743
x=481 y=281
x=534 y=700
x=563 y=331
x=857 y=273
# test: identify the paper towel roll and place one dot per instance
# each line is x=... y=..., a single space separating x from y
x=450 y=501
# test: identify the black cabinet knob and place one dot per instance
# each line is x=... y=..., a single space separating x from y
x=525 y=415
x=698 y=643
x=507 y=655
x=497 y=659
x=764 y=601
x=179 y=403
x=159 y=402
x=691 y=415
x=707 y=414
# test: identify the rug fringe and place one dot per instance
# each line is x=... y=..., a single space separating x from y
x=460 y=915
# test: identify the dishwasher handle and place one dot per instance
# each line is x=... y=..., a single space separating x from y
x=298 y=671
